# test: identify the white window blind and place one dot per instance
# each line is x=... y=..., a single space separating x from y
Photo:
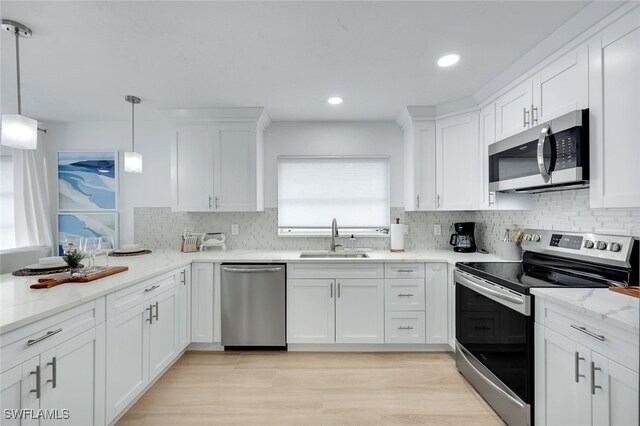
x=7 y=221
x=314 y=190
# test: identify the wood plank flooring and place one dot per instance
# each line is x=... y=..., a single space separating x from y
x=301 y=388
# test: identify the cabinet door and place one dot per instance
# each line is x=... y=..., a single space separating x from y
x=615 y=395
x=184 y=309
x=451 y=304
x=235 y=170
x=311 y=311
x=436 y=303
x=513 y=110
x=16 y=386
x=359 y=311
x=192 y=169
x=614 y=92
x=561 y=87
x=420 y=166
x=561 y=381
x=457 y=162
x=163 y=332
x=127 y=358
x=73 y=378
x=202 y=285
x=487 y=123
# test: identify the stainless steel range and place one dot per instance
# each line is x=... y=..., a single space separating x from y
x=494 y=310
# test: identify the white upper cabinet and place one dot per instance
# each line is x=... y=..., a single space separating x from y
x=614 y=106
x=217 y=160
x=513 y=110
x=457 y=162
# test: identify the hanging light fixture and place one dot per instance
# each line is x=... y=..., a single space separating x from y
x=18 y=131
x=132 y=159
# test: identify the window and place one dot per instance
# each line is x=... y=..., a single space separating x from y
x=314 y=190
x=7 y=222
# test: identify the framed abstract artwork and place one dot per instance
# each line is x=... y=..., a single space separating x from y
x=77 y=225
x=87 y=180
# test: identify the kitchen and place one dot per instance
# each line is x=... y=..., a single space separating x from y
x=388 y=249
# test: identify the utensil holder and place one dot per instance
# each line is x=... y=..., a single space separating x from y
x=511 y=251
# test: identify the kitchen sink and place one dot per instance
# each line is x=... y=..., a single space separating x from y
x=333 y=255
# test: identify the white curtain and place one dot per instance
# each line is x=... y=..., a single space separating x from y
x=31 y=197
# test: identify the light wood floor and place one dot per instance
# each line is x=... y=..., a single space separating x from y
x=300 y=388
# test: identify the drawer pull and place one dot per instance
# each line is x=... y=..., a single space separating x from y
x=405 y=270
x=405 y=328
x=588 y=333
x=405 y=295
x=153 y=287
x=41 y=338
x=481 y=327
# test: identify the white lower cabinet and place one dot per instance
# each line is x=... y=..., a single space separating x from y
x=615 y=394
x=202 y=302
x=359 y=311
x=436 y=303
x=311 y=311
x=163 y=332
x=184 y=307
x=16 y=386
x=404 y=327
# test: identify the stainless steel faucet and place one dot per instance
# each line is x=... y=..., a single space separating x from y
x=334 y=234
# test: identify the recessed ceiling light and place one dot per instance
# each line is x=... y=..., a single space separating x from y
x=335 y=100
x=448 y=60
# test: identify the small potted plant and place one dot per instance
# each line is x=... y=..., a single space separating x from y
x=72 y=256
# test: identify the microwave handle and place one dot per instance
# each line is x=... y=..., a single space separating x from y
x=546 y=176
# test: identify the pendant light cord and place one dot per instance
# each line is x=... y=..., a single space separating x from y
x=17 y=32
x=133 y=124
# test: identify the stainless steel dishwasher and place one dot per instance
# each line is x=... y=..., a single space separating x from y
x=253 y=305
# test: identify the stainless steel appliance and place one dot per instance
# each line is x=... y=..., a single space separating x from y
x=464 y=241
x=253 y=305
x=495 y=312
x=549 y=157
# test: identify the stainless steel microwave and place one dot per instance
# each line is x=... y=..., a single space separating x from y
x=550 y=157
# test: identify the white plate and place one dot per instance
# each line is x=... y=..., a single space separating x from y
x=52 y=266
x=127 y=251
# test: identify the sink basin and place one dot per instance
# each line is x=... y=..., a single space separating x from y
x=333 y=255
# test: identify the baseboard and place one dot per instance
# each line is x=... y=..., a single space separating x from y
x=205 y=347
x=372 y=347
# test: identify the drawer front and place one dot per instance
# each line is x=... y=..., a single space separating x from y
x=404 y=327
x=619 y=345
x=133 y=296
x=335 y=270
x=404 y=295
x=404 y=270
x=31 y=340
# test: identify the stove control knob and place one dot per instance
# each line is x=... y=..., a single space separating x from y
x=615 y=247
x=535 y=237
x=601 y=245
x=588 y=244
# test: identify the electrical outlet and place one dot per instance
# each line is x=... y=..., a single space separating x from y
x=406 y=230
x=234 y=229
x=437 y=229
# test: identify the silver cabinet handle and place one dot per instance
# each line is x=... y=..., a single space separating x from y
x=525 y=117
x=54 y=374
x=331 y=294
x=588 y=333
x=37 y=389
x=157 y=311
x=439 y=203
x=405 y=328
x=216 y=201
x=534 y=115
x=153 y=287
x=542 y=168
x=593 y=378
x=41 y=338
x=210 y=201
x=184 y=277
x=338 y=289
x=405 y=270
x=251 y=270
x=405 y=295
x=577 y=374
x=150 y=319
x=418 y=201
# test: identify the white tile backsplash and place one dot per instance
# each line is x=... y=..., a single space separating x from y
x=159 y=227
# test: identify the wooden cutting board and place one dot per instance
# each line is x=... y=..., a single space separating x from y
x=629 y=291
x=57 y=279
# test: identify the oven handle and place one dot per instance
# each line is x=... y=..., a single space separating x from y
x=486 y=290
x=546 y=176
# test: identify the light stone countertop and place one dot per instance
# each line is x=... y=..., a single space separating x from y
x=20 y=305
x=600 y=303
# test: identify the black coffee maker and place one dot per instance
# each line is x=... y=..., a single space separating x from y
x=463 y=241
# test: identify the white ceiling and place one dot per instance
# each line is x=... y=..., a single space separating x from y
x=288 y=57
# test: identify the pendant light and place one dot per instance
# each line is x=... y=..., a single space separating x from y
x=18 y=131
x=132 y=159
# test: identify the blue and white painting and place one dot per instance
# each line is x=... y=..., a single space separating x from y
x=76 y=225
x=87 y=180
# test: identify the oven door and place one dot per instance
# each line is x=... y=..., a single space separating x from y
x=494 y=345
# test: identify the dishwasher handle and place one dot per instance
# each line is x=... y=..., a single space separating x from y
x=252 y=270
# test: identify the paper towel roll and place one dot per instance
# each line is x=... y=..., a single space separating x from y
x=397 y=237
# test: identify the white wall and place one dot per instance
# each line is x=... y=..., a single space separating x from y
x=153 y=138
x=333 y=138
